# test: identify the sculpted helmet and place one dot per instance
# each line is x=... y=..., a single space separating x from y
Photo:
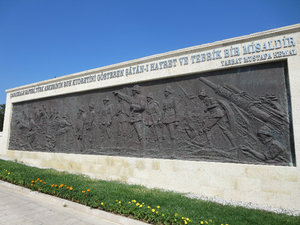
x=106 y=99
x=137 y=88
x=169 y=89
x=202 y=93
x=150 y=95
x=265 y=131
x=92 y=106
x=81 y=108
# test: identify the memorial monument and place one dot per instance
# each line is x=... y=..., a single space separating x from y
x=192 y=113
x=227 y=116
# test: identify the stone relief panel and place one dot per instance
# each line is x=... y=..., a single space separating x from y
x=238 y=115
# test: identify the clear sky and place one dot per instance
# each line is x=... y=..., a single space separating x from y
x=43 y=39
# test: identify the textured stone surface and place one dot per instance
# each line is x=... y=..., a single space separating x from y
x=238 y=115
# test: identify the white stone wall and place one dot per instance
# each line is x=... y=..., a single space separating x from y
x=1 y=142
x=276 y=186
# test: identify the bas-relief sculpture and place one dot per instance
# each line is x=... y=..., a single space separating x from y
x=239 y=115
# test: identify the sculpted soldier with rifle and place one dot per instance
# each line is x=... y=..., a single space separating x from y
x=137 y=104
x=152 y=117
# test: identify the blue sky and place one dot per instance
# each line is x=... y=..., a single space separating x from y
x=43 y=39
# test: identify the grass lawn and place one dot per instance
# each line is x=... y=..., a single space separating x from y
x=151 y=205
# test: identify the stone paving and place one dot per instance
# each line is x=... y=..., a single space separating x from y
x=21 y=206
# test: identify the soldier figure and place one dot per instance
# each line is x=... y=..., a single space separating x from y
x=137 y=104
x=107 y=114
x=152 y=116
x=64 y=124
x=122 y=118
x=32 y=132
x=63 y=132
x=91 y=126
x=217 y=116
x=170 y=113
x=22 y=131
x=275 y=151
x=80 y=128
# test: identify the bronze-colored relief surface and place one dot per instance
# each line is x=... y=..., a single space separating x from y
x=238 y=115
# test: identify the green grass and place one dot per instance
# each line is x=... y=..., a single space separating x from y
x=122 y=199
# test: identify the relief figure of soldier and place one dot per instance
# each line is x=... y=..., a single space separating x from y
x=217 y=117
x=137 y=104
x=169 y=118
x=106 y=120
x=152 y=119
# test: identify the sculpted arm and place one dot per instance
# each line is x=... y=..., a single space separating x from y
x=124 y=97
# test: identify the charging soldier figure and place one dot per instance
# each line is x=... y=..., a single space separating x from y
x=217 y=116
x=137 y=104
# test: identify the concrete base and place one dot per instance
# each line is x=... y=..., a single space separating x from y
x=275 y=186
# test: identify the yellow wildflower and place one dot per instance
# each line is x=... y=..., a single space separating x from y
x=88 y=190
x=162 y=214
x=133 y=201
x=149 y=207
x=185 y=222
x=176 y=214
x=102 y=203
x=210 y=220
x=137 y=204
x=153 y=210
x=120 y=202
x=203 y=223
x=83 y=192
x=141 y=206
x=71 y=189
x=158 y=206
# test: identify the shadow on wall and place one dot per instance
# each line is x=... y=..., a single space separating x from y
x=2 y=111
